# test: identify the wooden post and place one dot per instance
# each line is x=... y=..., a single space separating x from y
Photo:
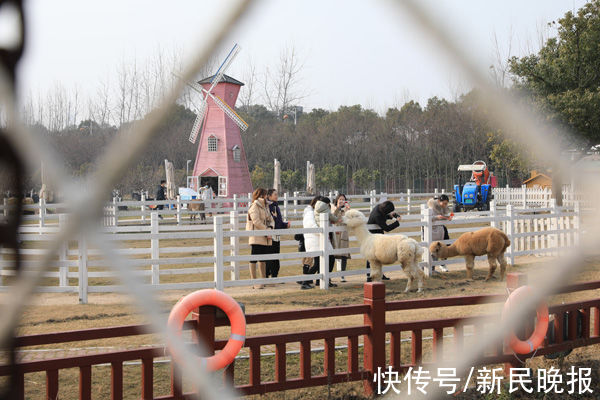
x=323 y=244
x=285 y=206
x=427 y=236
x=493 y=214
x=205 y=329
x=63 y=269
x=553 y=239
x=371 y=200
x=147 y=379
x=52 y=384
x=83 y=272
x=115 y=210
x=234 y=241
x=408 y=202
x=509 y=233
x=576 y=222
x=513 y=281
x=116 y=377
x=154 y=247
x=143 y=206
x=218 y=251
x=524 y=194
x=296 y=203
x=235 y=203
x=374 y=341
x=178 y=210
x=2 y=258
x=42 y=205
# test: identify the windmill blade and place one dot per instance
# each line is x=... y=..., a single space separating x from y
x=198 y=122
x=226 y=63
x=197 y=88
x=229 y=112
x=193 y=85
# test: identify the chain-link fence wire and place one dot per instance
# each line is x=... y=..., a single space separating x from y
x=86 y=205
x=524 y=126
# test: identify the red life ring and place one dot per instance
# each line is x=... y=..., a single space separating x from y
x=539 y=333
x=211 y=297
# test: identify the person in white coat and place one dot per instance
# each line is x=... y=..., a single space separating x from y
x=311 y=240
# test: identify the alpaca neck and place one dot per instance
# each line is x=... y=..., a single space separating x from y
x=449 y=251
x=361 y=232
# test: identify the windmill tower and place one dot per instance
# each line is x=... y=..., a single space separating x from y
x=220 y=159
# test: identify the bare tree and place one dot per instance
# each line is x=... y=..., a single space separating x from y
x=100 y=106
x=282 y=87
x=248 y=92
x=28 y=110
x=499 y=69
x=121 y=96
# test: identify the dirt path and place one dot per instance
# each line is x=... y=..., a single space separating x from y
x=355 y=282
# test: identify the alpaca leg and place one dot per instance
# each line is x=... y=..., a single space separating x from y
x=409 y=278
x=493 y=265
x=502 y=262
x=420 y=276
x=470 y=264
x=375 y=270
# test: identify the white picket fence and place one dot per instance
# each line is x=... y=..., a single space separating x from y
x=291 y=206
x=538 y=197
x=138 y=212
x=170 y=257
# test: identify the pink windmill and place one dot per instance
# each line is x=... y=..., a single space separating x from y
x=220 y=160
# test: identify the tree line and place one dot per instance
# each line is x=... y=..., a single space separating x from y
x=354 y=149
x=412 y=146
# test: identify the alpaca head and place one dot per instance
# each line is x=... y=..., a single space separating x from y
x=435 y=248
x=354 y=218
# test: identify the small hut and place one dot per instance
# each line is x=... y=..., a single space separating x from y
x=538 y=180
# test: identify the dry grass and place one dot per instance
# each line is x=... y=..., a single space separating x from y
x=59 y=312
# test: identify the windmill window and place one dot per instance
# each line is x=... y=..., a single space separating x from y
x=212 y=143
x=237 y=153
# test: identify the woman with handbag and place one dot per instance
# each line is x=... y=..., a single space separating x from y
x=259 y=218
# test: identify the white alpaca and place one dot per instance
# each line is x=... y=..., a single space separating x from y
x=386 y=249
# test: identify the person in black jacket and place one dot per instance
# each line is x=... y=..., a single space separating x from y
x=272 y=198
x=160 y=195
x=379 y=216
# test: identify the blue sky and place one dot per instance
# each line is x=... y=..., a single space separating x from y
x=353 y=51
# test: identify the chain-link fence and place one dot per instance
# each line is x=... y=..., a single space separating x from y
x=19 y=149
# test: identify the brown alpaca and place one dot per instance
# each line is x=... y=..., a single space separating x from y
x=490 y=241
x=196 y=207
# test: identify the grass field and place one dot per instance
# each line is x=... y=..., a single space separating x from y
x=60 y=312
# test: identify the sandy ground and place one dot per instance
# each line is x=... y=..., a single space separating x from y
x=50 y=299
x=52 y=312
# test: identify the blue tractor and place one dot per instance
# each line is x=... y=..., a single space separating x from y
x=476 y=193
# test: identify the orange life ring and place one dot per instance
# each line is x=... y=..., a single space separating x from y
x=211 y=297
x=539 y=333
